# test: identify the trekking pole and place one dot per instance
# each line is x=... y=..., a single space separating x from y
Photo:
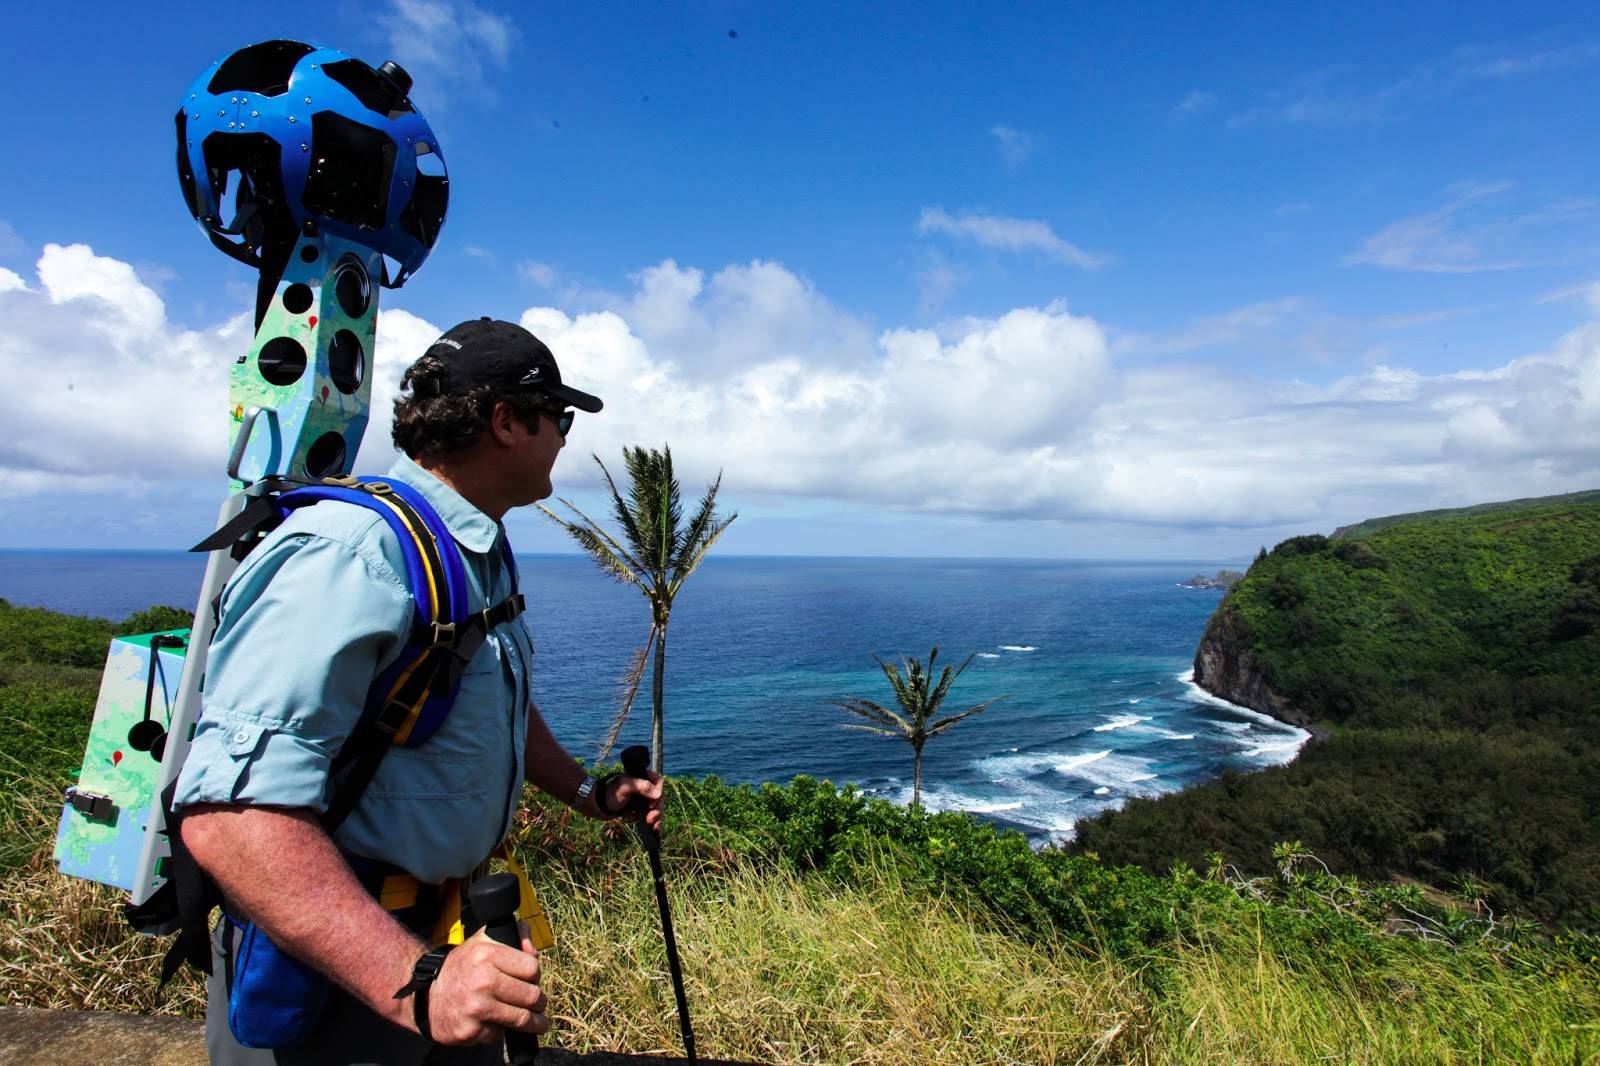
x=634 y=761
x=494 y=902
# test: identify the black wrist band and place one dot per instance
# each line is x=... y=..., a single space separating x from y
x=422 y=975
x=602 y=789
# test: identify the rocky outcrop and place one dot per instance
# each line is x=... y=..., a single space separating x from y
x=1225 y=579
x=1225 y=666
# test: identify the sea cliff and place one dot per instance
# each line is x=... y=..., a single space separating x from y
x=1226 y=667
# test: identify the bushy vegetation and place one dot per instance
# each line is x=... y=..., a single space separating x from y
x=818 y=925
x=1455 y=661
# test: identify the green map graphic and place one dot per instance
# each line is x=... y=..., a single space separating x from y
x=107 y=850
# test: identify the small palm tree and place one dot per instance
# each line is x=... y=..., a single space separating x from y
x=920 y=698
x=655 y=552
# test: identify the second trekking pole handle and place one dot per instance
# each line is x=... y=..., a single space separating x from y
x=494 y=903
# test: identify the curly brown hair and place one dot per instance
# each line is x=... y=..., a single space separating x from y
x=449 y=423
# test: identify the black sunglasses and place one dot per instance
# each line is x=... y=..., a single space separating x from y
x=561 y=416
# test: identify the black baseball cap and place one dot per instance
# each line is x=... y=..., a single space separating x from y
x=503 y=356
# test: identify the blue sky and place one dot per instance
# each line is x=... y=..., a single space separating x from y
x=923 y=280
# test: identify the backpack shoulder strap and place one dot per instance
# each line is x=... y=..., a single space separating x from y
x=434 y=573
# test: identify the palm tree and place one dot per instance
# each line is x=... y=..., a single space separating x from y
x=920 y=698
x=655 y=552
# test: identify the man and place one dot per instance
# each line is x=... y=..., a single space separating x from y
x=308 y=621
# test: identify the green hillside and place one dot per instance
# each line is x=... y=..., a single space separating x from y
x=1372 y=525
x=1455 y=661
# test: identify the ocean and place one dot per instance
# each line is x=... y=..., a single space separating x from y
x=1095 y=660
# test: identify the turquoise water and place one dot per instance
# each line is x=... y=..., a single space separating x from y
x=1092 y=655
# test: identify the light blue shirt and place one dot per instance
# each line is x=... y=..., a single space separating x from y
x=313 y=614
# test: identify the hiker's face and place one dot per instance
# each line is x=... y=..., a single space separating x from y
x=538 y=447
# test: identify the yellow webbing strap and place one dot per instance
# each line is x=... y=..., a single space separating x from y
x=413 y=712
x=416 y=535
x=400 y=891
x=379 y=493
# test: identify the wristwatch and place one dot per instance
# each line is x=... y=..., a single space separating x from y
x=422 y=975
x=583 y=792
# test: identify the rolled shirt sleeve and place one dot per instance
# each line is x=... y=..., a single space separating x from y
x=306 y=624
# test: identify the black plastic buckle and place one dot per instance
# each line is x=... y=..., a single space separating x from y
x=90 y=804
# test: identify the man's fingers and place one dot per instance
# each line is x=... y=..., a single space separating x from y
x=519 y=1006
x=519 y=965
x=522 y=964
x=522 y=995
x=522 y=1020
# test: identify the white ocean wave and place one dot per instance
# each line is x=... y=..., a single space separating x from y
x=1077 y=762
x=1038 y=808
x=1017 y=647
x=943 y=798
x=1101 y=791
x=1170 y=735
x=1272 y=725
x=1121 y=722
x=1107 y=768
x=1232 y=727
x=1284 y=752
x=1136 y=699
x=987 y=655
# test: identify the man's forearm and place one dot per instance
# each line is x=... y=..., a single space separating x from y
x=547 y=765
x=280 y=868
x=549 y=768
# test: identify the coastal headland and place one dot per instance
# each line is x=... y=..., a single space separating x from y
x=1449 y=664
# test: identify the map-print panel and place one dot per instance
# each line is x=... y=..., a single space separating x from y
x=111 y=807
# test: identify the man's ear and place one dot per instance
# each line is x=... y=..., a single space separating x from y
x=502 y=422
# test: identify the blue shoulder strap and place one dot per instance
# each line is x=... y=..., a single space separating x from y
x=428 y=563
x=414 y=694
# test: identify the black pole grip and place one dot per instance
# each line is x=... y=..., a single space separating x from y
x=494 y=902
x=635 y=761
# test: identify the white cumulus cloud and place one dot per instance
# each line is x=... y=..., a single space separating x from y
x=447 y=45
x=1029 y=414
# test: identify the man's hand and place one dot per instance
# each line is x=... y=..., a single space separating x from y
x=485 y=988
x=624 y=790
x=551 y=770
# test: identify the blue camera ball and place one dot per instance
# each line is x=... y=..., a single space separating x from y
x=283 y=136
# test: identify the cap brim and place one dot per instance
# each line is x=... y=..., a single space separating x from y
x=576 y=398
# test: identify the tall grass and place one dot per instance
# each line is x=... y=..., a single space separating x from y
x=782 y=967
x=785 y=966
x=1233 y=998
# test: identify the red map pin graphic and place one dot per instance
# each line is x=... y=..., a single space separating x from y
x=312 y=321
x=116 y=757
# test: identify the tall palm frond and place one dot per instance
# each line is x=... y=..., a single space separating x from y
x=611 y=557
x=628 y=689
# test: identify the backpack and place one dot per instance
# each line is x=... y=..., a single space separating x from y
x=406 y=705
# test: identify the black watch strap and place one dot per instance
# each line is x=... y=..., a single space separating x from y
x=602 y=790
x=422 y=975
